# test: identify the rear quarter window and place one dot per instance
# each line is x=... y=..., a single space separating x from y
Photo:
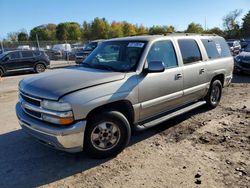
x=222 y=47
x=37 y=53
x=211 y=48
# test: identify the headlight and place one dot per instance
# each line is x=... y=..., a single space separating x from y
x=56 y=106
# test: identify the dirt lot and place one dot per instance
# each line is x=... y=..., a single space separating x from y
x=198 y=149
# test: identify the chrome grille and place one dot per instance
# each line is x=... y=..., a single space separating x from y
x=31 y=100
x=28 y=101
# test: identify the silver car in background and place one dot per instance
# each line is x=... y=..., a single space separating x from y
x=125 y=84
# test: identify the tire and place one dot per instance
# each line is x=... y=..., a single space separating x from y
x=40 y=67
x=107 y=134
x=1 y=72
x=214 y=94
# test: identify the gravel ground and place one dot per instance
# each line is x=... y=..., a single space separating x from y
x=199 y=149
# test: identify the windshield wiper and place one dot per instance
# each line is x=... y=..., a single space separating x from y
x=106 y=67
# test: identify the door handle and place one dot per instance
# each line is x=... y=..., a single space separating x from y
x=178 y=76
x=202 y=70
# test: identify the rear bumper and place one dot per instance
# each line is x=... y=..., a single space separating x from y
x=68 y=139
x=228 y=80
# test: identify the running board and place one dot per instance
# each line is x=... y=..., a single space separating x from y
x=168 y=116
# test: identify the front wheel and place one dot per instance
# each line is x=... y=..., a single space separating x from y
x=40 y=68
x=214 y=94
x=107 y=134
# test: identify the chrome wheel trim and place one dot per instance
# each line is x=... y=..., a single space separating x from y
x=215 y=94
x=105 y=136
x=40 y=68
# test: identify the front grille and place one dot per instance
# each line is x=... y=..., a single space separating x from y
x=27 y=100
x=33 y=113
x=245 y=65
x=31 y=100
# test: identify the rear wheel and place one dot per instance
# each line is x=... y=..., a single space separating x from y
x=214 y=94
x=40 y=68
x=107 y=134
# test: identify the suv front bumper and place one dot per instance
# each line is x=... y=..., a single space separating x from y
x=68 y=138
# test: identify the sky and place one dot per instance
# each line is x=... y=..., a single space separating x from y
x=17 y=15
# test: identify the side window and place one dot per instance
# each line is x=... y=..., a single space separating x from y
x=14 y=55
x=211 y=48
x=27 y=54
x=189 y=50
x=37 y=53
x=163 y=51
x=222 y=47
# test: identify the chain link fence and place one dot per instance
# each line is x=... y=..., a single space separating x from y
x=56 y=50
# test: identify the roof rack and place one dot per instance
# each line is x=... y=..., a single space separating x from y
x=176 y=33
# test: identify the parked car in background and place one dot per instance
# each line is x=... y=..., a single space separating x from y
x=23 y=47
x=242 y=61
x=244 y=43
x=234 y=46
x=59 y=52
x=125 y=84
x=23 y=60
x=82 y=54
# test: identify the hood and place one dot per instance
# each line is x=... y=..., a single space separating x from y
x=53 y=84
x=245 y=56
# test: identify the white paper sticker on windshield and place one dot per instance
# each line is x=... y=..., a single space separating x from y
x=136 y=44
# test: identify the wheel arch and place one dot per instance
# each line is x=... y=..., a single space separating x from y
x=123 y=106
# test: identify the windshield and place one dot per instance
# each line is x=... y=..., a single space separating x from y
x=230 y=44
x=91 y=46
x=3 y=54
x=116 y=55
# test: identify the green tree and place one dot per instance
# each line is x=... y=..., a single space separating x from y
x=86 y=31
x=74 y=31
x=231 y=24
x=12 y=37
x=61 y=32
x=216 y=31
x=22 y=36
x=128 y=29
x=246 y=26
x=100 y=28
x=140 y=30
x=116 y=30
x=194 y=28
x=44 y=32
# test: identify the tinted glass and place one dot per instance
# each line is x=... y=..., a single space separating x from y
x=211 y=48
x=27 y=54
x=189 y=50
x=222 y=47
x=14 y=55
x=37 y=53
x=163 y=51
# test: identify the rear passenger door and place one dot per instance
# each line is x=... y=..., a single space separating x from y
x=27 y=59
x=195 y=84
x=160 y=92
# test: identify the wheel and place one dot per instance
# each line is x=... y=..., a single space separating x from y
x=40 y=68
x=1 y=72
x=107 y=134
x=214 y=94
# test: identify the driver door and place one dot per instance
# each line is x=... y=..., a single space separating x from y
x=160 y=92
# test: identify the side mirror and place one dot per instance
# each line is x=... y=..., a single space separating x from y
x=155 y=66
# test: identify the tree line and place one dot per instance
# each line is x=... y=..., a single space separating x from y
x=100 y=28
